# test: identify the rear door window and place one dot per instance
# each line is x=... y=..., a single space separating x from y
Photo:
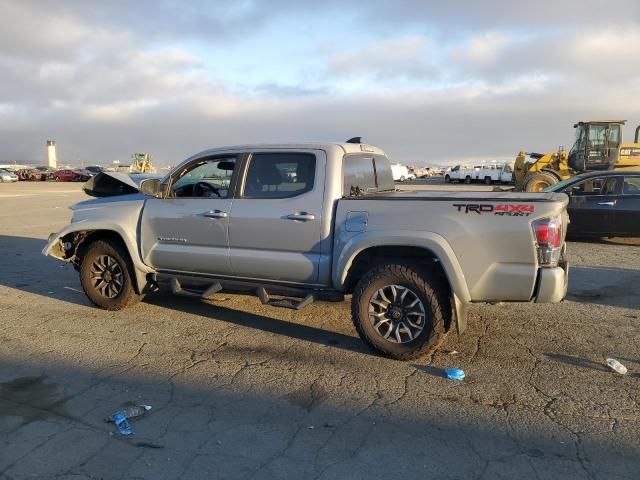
x=279 y=175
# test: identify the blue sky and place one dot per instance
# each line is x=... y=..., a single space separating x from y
x=429 y=82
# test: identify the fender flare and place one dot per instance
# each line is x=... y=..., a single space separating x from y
x=430 y=241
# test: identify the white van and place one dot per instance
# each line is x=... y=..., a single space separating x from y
x=401 y=173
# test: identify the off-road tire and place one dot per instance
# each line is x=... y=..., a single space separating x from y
x=536 y=182
x=432 y=292
x=127 y=296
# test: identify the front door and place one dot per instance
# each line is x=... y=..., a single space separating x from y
x=275 y=224
x=628 y=207
x=187 y=230
x=592 y=206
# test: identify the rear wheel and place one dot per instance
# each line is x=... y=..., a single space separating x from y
x=106 y=275
x=467 y=179
x=402 y=179
x=536 y=182
x=401 y=311
x=487 y=180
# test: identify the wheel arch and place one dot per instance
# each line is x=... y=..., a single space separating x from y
x=81 y=236
x=427 y=248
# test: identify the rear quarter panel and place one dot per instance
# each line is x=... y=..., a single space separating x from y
x=491 y=250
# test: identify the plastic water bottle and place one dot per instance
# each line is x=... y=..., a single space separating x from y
x=122 y=424
x=131 y=411
x=454 y=373
x=616 y=366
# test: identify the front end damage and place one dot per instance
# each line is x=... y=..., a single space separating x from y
x=66 y=248
x=114 y=215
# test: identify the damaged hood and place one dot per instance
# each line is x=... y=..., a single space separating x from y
x=109 y=184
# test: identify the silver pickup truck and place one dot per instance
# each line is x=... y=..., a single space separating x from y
x=298 y=223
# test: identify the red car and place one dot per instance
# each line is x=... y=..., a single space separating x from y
x=70 y=176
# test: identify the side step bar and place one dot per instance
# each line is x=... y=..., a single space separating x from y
x=293 y=299
x=177 y=289
x=291 y=303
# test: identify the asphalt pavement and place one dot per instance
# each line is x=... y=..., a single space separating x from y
x=244 y=391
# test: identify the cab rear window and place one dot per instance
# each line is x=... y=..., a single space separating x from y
x=364 y=174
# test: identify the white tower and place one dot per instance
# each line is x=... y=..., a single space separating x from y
x=51 y=154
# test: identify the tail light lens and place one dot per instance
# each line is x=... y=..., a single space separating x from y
x=548 y=234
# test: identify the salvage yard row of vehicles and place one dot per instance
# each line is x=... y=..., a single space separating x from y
x=309 y=222
x=41 y=174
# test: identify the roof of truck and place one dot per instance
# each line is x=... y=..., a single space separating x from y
x=346 y=147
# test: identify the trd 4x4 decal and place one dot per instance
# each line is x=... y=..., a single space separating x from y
x=502 y=209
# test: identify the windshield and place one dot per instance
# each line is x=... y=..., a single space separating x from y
x=580 y=139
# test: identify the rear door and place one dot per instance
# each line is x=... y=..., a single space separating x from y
x=628 y=207
x=592 y=206
x=275 y=223
x=187 y=230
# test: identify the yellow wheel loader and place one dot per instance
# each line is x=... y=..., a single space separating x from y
x=598 y=146
x=141 y=163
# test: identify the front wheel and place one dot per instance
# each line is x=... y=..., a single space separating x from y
x=538 y=181
x=447 y=179
x=467 y=180
x=401 y=311
x=106 y=275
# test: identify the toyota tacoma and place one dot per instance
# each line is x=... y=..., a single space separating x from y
x=293 y=224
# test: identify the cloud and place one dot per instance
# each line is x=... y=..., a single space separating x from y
x=408 y=56
x=427 y=81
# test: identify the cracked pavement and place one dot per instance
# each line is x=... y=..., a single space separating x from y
x=244 y=391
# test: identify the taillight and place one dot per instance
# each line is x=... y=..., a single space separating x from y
x=548 y=233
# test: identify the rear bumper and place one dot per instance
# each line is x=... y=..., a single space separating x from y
x=552 y=284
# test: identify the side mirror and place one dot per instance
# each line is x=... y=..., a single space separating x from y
x=151 y=187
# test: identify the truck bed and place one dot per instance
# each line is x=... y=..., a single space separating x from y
x=488 y=233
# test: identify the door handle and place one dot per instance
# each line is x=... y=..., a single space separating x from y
x=301 y=216
x=611 y=204
x=215 y=214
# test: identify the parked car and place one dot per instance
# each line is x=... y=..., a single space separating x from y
x=22 y=174
x=231 y=218
x=70 y=176
x=603 y=204
x=39 y=174
x=401 y=173
x=7 y=176
x=420 y=172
